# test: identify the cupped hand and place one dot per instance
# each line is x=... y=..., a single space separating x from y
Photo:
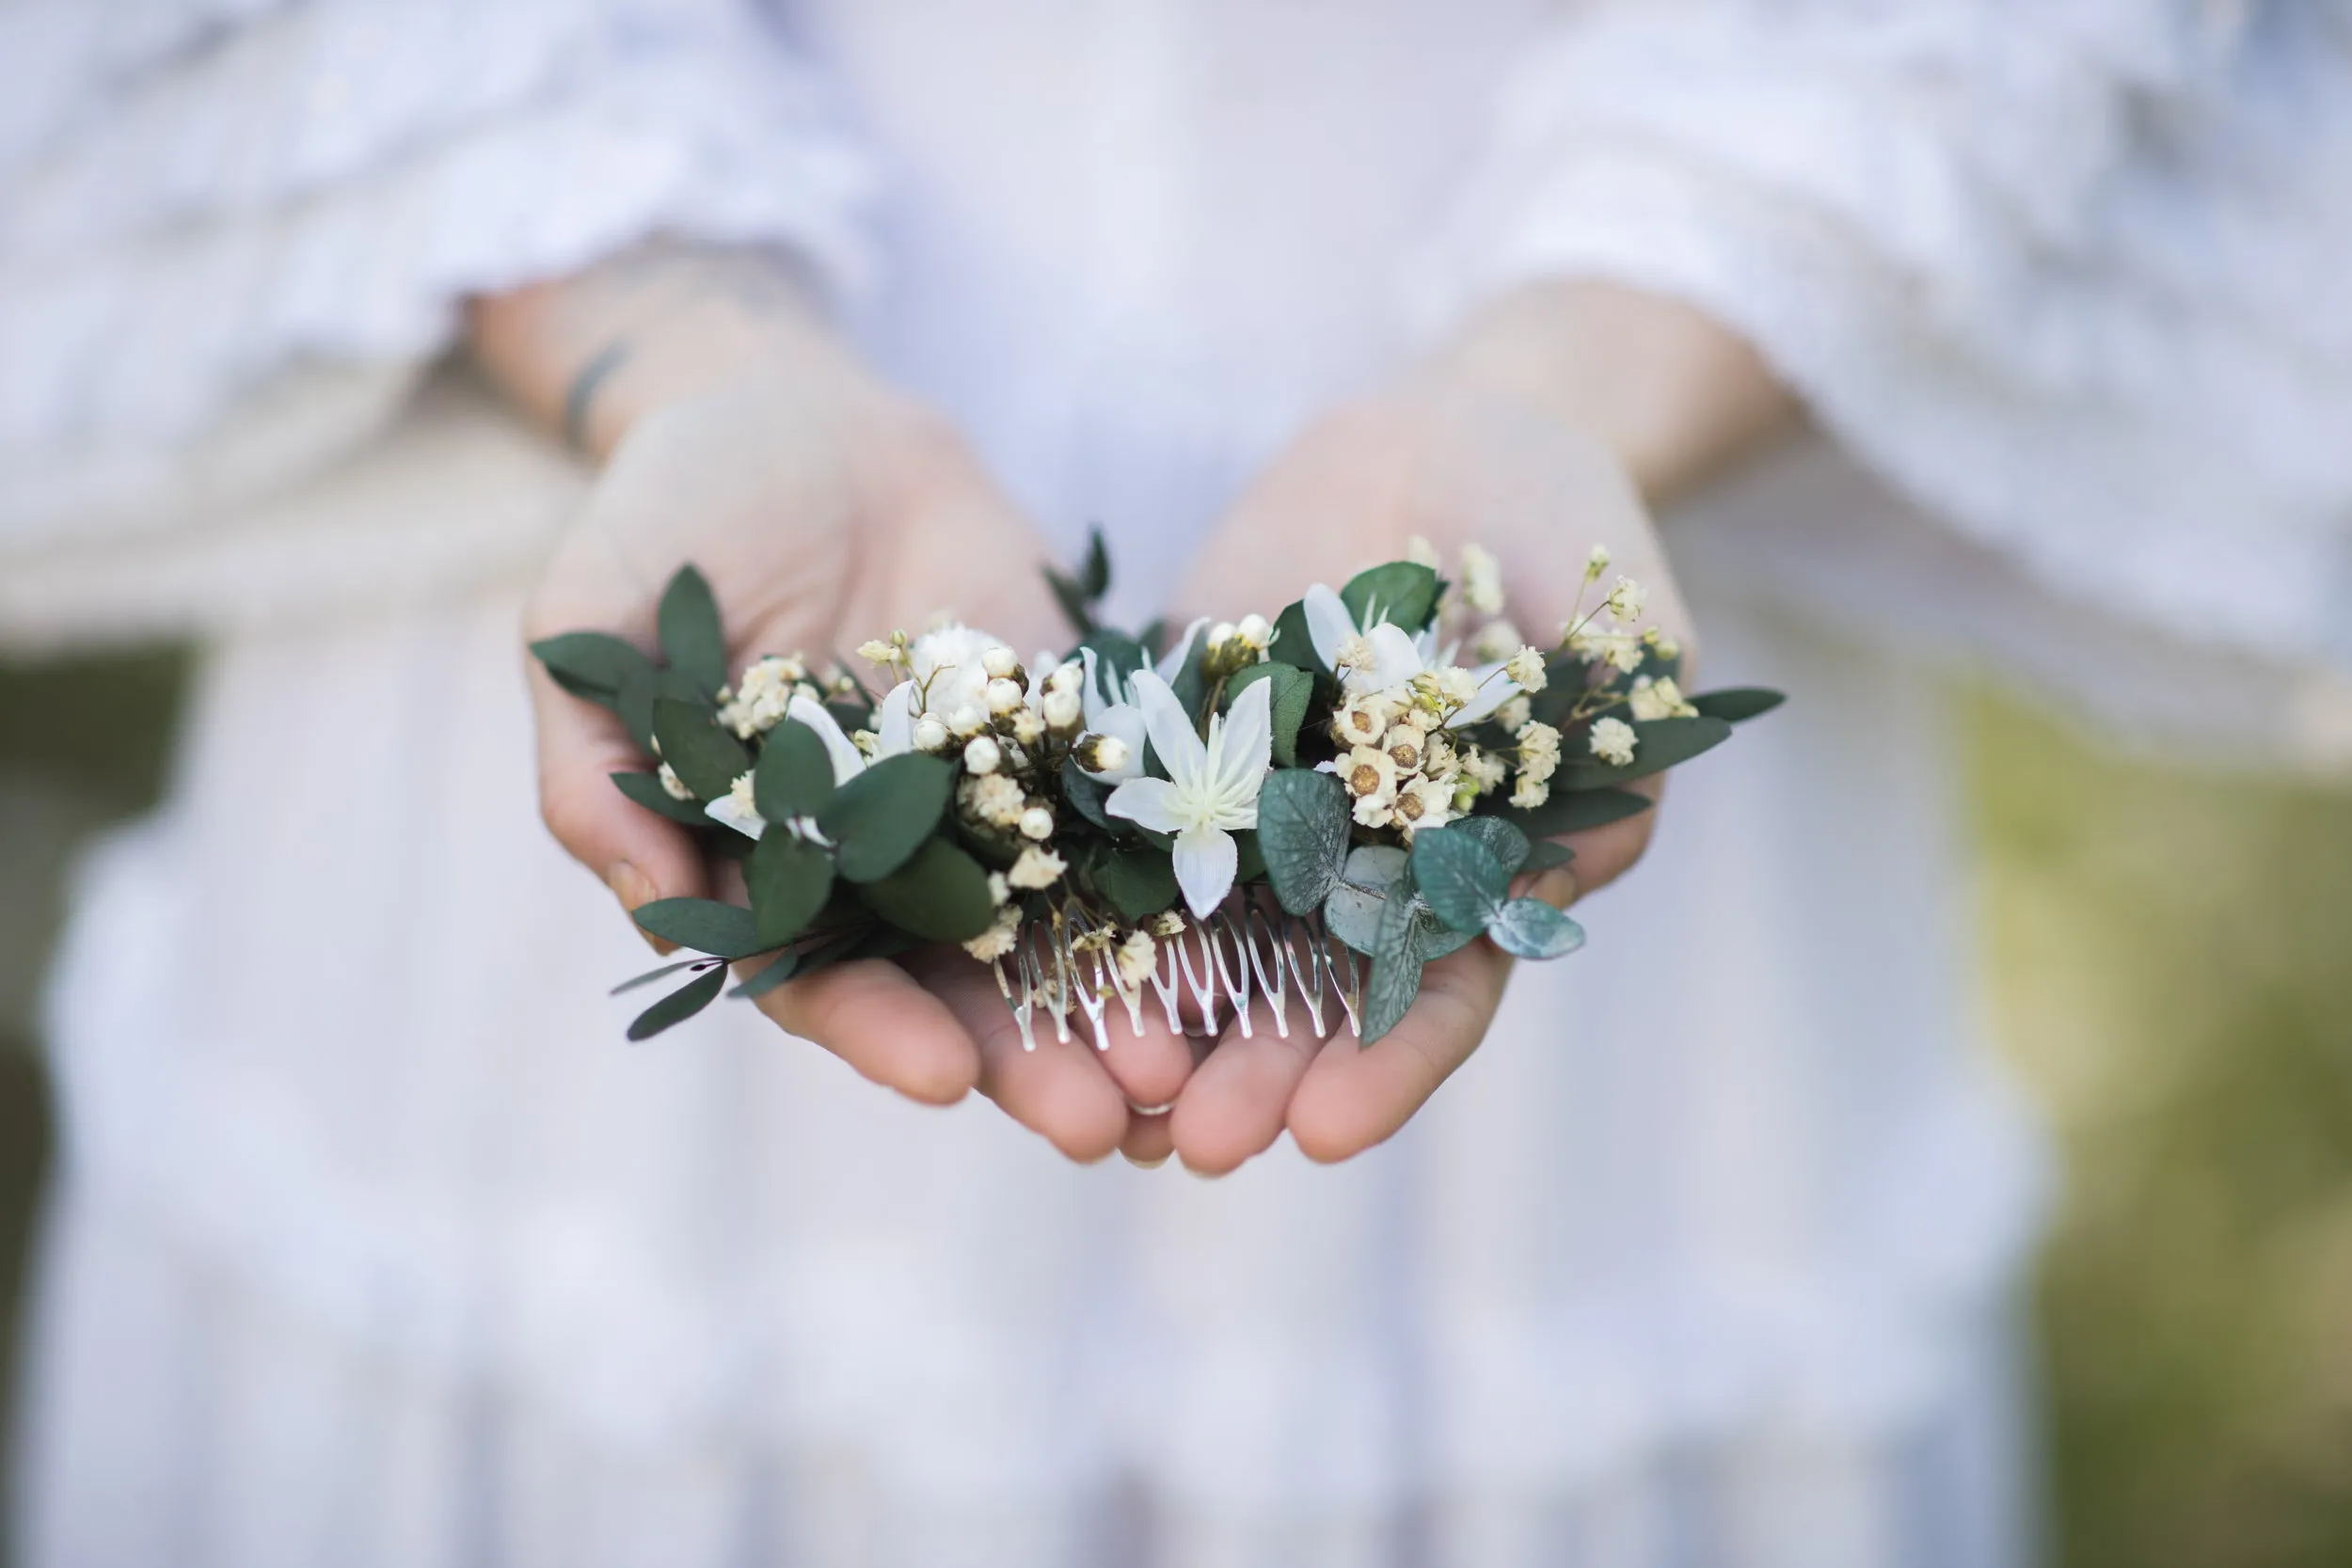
x=1451 y=463
x=823 y=510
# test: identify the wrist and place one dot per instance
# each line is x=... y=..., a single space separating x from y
x=1678 y=397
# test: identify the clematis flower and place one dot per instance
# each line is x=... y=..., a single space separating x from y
x=1397 y=656
x=1110 y=707
x=893 y=731
x=1211 y=789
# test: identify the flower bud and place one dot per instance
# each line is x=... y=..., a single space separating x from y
x=1003 y=696
x=1254 y=631
x=999 y=661
x=875 y=651
x=967 y=719
x=1037 y=823
x=1102 y=754
x=1027 y=727
x=981 y=755
x=1222 y=632
x=1063 y=710
x=930 y=734
x=1066 y=677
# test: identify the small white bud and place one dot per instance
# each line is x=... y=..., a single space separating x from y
x=1003 y=696
x=1254 y=630
x=930 y=734
x=1038 y=823
x=875 y=651
x=1109 y=753
x=1222 y=632
x=1066 y=677
x=1028 y=727
x=1062 y=709
x=999 y=661
x=981 y=755
x=967 y=719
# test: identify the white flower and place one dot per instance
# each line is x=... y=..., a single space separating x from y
x=999 y=661
x=1211 y=789
x=1626 y=600
x=1421 y=553
x=875 y=651
x=1485 y=770
x=981 y=755
x=996 y=799
x=757 y=702
x=1003 y=696
x=1514 y=714
x=1526 y=669
x=1496 y=640
x=1362 y=722
x=1138 y=956
x=1390 y=658
x=1002 y=936
x=948 y=665
x=1424 y=803
x=1659 y=699
x=1063 y=710
x=1612 y=741
x=1530 y=793
x=894 y=734
x=1036 y=822
x=1368 y=770
x=1254 y=630
x=1482 y=580
x=1028 y=726
x=931 y=734
x=1036 y=868
x=1110 y=708
x=673 y=785
x=1460 y=686
x=999 y=890
x=1406 y=746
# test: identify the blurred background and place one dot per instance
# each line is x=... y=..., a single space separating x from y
x=2169 y=966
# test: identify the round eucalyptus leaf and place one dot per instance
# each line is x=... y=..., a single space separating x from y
x=940 y=894
x=1302 y=834
x=794 y=777
x=790 y=879
x=1459 y=877
x=1529 y=928
x=882 y=815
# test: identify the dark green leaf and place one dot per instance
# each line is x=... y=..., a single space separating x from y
x=1302 y=832
x=1531 y=929
x=1249 y=857
x=882 y=815
x=1573 y=813
x=680 y=1004
x=1138 y=881
x=1544 y=854
x=1660 y=744
x=692 y=637
x=1504 y=840
x=1095 y=577
x=794 y=777
x=1072 y=599
x=1396 y=962
x=940 y=894
x=706 y=758
x=1399 y=592
x=591 y=664
x=646 y=789
x=789 y=878
x=652 y=974
x=1292 y=690
x=723 y=930
x=1294 y=643
x=1116 y=654
x=1459 y=877
x=1191 y=683
x=1734 y=704
x=1086 y=796
x=771 y=975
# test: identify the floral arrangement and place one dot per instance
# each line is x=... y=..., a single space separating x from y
x=1312 y=808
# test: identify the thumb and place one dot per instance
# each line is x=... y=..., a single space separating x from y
x=637 y=854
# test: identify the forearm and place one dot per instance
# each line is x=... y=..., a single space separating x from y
x=1679 y=396
x=586 y=355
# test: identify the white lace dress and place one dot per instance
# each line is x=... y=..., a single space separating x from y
x=375 y=1244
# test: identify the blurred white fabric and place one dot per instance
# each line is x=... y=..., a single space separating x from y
x=375 y=1244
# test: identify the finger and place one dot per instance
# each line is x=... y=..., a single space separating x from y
x=1060 y=1090
x=639 y=856
x=1234 y=1106
x=1151 y=1065
x=1148 y=1141
x=877 y=1018
x=1355 y=1097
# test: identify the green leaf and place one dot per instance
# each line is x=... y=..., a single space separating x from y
x=1659 y=744
x=680 y=1004
x=1293 y=643
x=1095 y=577
x=1293 y=689
x=1569 y=812
x=1459 y=877
x=882 y=815
x=773 y=973
x=1248 y=857
x=1356 y=907
x=1544 y=854
x=1191 y=682
x=652 y=974
x=794 y=777
x=1400 y=592
x=1531 y=929
x=940 y=894
x=1087 y=797
x=1116 y=653
x=1396 y=960
x=706 y=758
x=1735 y=704
x=1072 y=599
x=1504 y=840
x=646 y=789
x=705 y=925
x=1302 y=832
x=1138 y=881
x=789 y=878
x=592 y=665
x=692 y=637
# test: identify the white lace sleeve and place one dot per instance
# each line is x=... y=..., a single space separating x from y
x=2068 y=274
x=239 y=229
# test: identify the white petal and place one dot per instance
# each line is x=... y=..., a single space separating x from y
x=1328 y=623
x=1147 y=803
x=894 y=722
x=848 y=761
x=724 y=810
x=1495 y=689
x=1172 y=663
x=1127 y=724
x=1245 y=747
x=1181 y=755
x=1396 y=660
x=1093 y=698
x=1206 y=859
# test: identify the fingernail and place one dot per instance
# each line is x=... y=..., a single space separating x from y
x=1143 y=1164
x=630 y=887
x=1556 y=887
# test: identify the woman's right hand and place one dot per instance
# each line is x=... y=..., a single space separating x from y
x=824 y=508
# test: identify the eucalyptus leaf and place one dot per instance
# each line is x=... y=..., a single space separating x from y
x=1458 y=877
x=1572 y=812
x=705 y=925
x=1735 y=704
x=680 y=1004
x=1095 y=577
x=939 y=894
x=1302 y=833
x=1293 y=689
x=691 y=637
x=706 y=758
x=881 y=817
x=1544 y=854
x=790 y=879
x=591 y=664
x=1069 y=594
x=1660 y=744
x=1138 y=881
x=1116 y=653
x=794 y=777
x=1087 y=796
x=1502 y=840
x=1353 y=915
x=1293 y=642
x=1400 y=592
x=1531 y=929
x=1377 y=867
x=1396 y=962
x=652 y=974
x=646 y=789
x=770 y=975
